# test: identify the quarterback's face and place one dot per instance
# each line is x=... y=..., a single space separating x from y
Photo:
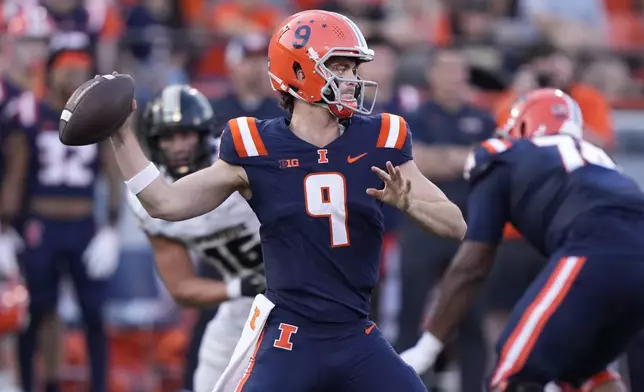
x=179 y=148
x=346 y=69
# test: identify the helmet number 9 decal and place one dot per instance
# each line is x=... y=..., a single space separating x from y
x=302 y=35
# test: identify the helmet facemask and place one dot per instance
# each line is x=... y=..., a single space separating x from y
x=331 y=94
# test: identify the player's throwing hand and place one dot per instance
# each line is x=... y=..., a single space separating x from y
x=397 y=188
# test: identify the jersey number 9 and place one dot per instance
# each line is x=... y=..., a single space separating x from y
x=325 y=196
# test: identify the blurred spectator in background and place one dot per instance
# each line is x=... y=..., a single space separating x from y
x=551 y=67
x=234 y=19
x=250 y=94
x=444 y=129
x=411 y=23
x=25 y=47
x=93 y=25
x=611 y=75
x=571 y=24
x=368 y=16
x=154 y=55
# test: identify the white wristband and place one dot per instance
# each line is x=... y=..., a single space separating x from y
x=142 y=179
x=233 y=288
x=430 y=344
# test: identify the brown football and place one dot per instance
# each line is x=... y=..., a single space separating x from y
x=96 y=110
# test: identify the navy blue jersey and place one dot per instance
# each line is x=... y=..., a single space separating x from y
x=321 y=233
x=54 y=168
x=9 y=97
x=13 y=100
x=542 y=186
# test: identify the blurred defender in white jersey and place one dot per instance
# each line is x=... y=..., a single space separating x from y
x=178 y=129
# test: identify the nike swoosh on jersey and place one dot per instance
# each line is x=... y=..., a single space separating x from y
x=351 y=159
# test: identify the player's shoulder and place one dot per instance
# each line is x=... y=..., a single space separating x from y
x=489 y=153
x=247 y=137
x=387 y=130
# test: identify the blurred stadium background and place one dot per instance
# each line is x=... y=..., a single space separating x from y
x=590 y=48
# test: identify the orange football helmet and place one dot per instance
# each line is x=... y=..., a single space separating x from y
x=543 y=112
x=305 y=41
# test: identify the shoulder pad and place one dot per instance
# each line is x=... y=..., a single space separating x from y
x=480 y=160
x=245 y=137
x=393 y=131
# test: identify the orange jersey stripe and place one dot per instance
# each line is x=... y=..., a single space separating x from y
x=384 y=130
x=237 y=138
x=251 y=364
x=259 y=144
x=496 y=146
x=402 y=133
x=393 y=131
x=520 y=344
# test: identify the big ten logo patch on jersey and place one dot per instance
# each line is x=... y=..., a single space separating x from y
x=288 y=163
x=286 y=333
x=232 y=250
x=322 y=156
x=61 y=165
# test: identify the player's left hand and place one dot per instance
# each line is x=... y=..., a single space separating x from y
x=422 y=356
x=102 y=254
x=397 y=188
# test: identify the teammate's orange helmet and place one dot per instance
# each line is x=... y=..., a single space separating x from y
x=305 y=41
x=542 y=112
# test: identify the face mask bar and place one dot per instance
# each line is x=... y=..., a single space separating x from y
x=333 y=81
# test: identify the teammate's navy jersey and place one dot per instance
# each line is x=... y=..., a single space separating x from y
x=54 y=168
x=12 y=101
x=541 y=186
x=9 y=95
x=321 y=233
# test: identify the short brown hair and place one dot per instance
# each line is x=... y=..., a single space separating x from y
x=286 y=101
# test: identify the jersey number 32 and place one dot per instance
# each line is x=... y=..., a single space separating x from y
x=63 y=165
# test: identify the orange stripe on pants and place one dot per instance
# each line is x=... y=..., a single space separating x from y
x=251 y=364
x=517 y=349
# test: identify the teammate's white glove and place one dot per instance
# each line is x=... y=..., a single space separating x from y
x=423 y=355
x=248 y=286
x=102 y=254
x=10 y=245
